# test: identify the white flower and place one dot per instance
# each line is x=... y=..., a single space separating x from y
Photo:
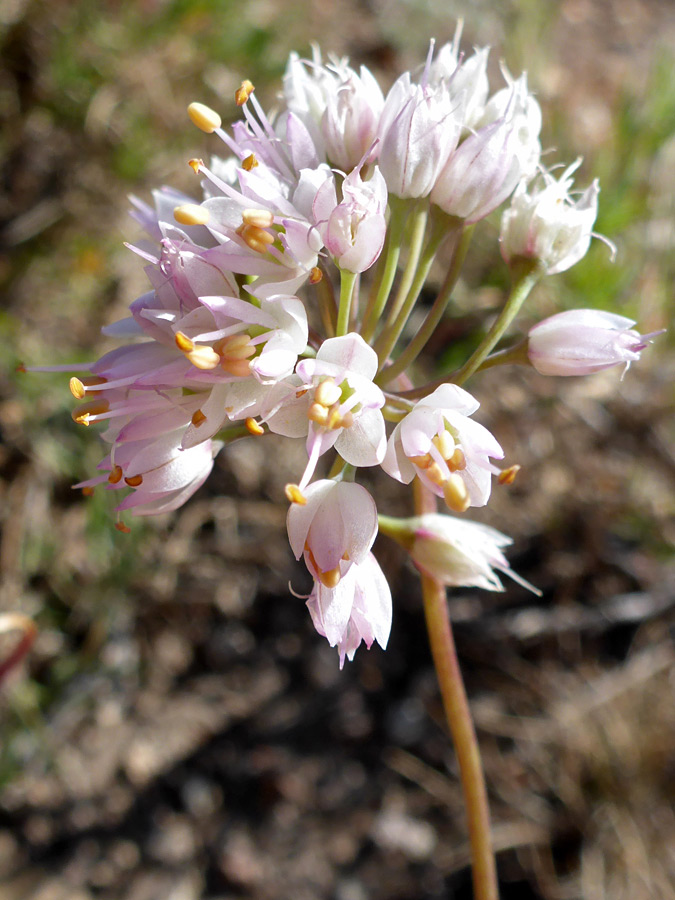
x=438 y=442
x=544 y=223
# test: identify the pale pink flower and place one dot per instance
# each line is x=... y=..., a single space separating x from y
x=334 y=528
x=486 y=167
x=583 y=341
x=354 y=229
x=357 y=609
x=448 y=451
x=419 y=129
x=544 y=223
x=350 y=119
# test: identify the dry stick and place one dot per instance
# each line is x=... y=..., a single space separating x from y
x=458 y=716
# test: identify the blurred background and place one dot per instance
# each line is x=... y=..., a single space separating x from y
x=179 y=731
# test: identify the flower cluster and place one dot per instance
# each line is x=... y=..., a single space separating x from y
x=257 y=319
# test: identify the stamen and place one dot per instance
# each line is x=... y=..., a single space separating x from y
x=88 y=491
x=197 y=418
x=184 y=343
x=83 y=413
x=249 y=163
x=243 y=92
x=253 y=426
x=195 y=164
x=135 y=481
x=458 y=460
x=315 y=275
x=262 y=218
x=120 y=526
x=422 y=462
x=76 y=388
x=508 y=476
x=256 y=238
x=456 y=494
x=116 y=475
x=203 y=357
x=295 y=495
x=191 y=214
x=317 y=413
x=444 y=443
x=435 y=473
x=331 y=578
x=238 y=367
x=327 y=393
x=205 y=118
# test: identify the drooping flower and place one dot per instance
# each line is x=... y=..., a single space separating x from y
x=334 y=528
x=448 y=451
x=583 y=341
x=357 y=609
x=544 y=223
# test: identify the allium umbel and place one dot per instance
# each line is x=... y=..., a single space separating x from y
x=279 y=301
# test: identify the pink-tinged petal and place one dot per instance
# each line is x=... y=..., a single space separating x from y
x=351 y=354
x=451 y=396
x=302 y=148
x=367 y=246
x=364 y=443
x=284 y=412
x=213 y=409
x=330 y=608
x=395 y=462
x=299 y=518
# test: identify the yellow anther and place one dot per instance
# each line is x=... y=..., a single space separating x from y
x=76 y=388
x=300 y=393
x=347 y=420
x=115 y=475
x=120 y=526
x=253 y=426
x=334 y=419
x=256 y=238
x=249 y=163
x=263 y=218
x=422 y=462
x=317 y=413
x=327 y=393
x=135 y=481
x=331 y=578
x=315 y=275
x=435 y=473
x=238 y=367
x=203 y=357
x=204 y=117
x=195 y=164
x=458 y=460
x=295 y=495
x=88 y=491
x=456 y=494
x=243 y=92
x=183 y=342
x=508 y=476
x=191 y=214
x=444 y=443
x=83 y=413
x=238 y=346
x=197 y=418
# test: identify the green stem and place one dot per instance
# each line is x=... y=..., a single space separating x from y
x=386 y=269
x=523 y=282
x=460 y=723
x=347 y=281
x=418 y=229
x=387 y=340
x=327 y=305
x=436 y=312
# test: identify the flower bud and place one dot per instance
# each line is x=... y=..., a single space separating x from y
x=583 y=341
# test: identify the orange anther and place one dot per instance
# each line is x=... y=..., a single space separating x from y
x=508 y=476
x=315 y=275
x=295 y=495
x=243 y=92
x=116 y=475
x=253 y=426
x=197 y=418
x=120 y=526
x=135 y=481
x=249 y=163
